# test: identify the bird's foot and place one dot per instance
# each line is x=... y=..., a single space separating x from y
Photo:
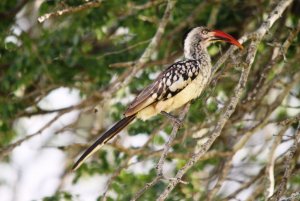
x=174 y=119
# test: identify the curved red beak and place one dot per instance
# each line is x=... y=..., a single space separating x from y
x=222 y=36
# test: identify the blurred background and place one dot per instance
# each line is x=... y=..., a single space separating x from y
x=68 y=71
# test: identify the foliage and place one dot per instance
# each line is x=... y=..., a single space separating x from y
x=89 y=50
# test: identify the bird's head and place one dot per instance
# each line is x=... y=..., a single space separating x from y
x=200 y=38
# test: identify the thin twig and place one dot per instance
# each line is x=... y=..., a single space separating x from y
x=92 y=4
x=288 y=166
x=159 y=166
x=275 y=14
x=6 y=150
x=127 y=76
x=146 y=187
x=270 y=166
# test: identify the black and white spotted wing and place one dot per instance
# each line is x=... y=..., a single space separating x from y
x=169 y=83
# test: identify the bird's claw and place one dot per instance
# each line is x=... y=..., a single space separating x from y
x=175 y=120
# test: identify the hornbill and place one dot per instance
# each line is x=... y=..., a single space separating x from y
x=180 y=83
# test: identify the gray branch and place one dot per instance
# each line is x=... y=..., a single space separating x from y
x=260 y=33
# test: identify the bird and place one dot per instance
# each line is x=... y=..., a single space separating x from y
x=178 y=84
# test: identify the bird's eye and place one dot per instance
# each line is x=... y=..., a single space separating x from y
x=204 y=32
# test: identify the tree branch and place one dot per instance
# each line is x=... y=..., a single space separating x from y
x=275 y=14
x=288 y=166
x=92 y=4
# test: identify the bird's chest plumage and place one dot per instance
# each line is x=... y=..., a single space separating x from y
x=200 y=76
x=182 y=84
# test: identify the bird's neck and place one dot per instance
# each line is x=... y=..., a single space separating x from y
x=196 y=53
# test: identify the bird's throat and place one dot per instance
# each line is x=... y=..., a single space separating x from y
x=197 y=53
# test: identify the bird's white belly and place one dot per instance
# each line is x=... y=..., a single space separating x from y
x=190 y=92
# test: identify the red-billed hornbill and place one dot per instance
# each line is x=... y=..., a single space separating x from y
x=180 y=83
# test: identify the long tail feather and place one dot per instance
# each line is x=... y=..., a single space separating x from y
x=103 y=139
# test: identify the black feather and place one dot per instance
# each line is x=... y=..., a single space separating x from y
x=104 y=138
